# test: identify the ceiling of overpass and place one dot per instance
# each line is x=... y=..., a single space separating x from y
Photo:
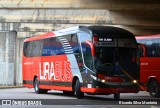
x=141 y=17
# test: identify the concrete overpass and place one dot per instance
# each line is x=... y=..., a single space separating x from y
x=140 y=17
x=24 y=18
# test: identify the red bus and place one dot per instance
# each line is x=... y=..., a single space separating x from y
x=150 y=64
x=93 y=60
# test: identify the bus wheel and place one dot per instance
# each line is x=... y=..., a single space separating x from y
x=79 y=94
x=116 y=96
x=37 y=89
x=154 y=89
x=68 y=92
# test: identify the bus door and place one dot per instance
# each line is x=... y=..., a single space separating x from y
x=143 y=64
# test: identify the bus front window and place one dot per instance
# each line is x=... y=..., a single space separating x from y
x=115 y=61
x=102 y=58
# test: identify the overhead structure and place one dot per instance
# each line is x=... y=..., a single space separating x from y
x=140 y=17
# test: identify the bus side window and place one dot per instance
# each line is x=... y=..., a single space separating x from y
x=25 y=49
x=142 y=50
x=151 y=48
x=158 y=48
x=29 y=49
x=73 y=41
x=37 y=48
x=52 y=46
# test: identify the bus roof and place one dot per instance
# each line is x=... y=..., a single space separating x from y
x=57 y=33
x=111 y=31
x=49 y=34
x=148 y=37
x=95 y=29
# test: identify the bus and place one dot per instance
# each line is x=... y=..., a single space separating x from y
x=82 y=59
x=150 y=64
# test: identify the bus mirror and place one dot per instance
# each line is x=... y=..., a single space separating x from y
x=92 y=47
x=143 y=50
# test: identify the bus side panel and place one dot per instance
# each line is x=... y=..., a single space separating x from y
x=52 y=71
x=150 y=67
x=27 y=69
x=55 y=66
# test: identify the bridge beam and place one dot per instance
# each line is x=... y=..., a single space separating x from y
x=81 y=4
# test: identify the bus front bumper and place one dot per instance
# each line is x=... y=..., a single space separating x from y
x=109 y=90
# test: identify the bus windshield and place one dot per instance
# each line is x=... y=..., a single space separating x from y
x=114 y=61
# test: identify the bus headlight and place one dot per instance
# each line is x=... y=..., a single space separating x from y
x=94 y=77
x=98 y=79
x=134 y=81
x=102 y=80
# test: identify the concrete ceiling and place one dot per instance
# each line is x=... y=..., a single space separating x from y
x=141 y=17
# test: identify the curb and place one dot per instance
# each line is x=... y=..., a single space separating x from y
x=10 y=87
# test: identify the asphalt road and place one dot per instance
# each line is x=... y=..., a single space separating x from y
x=17 y=97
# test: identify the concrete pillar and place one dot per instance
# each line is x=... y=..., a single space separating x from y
x=7 y=58
x=18 y=70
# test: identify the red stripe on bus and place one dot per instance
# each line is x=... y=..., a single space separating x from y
x=56 y=87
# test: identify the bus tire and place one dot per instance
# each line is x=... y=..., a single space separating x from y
x=154 y=89
x=37 y=89
x=116 y=96
x=68 y=92
x=79 y=94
